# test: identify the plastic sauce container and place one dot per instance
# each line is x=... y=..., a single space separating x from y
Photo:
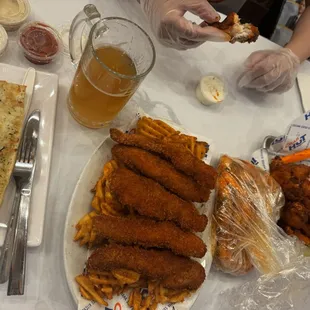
x=13 y=13
x=211 y=90
x=3 y=40
x=39 y=42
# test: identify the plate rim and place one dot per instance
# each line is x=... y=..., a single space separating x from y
x=67 y=217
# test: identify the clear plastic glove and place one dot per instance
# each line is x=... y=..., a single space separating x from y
x=270 y=71
x=174 y=30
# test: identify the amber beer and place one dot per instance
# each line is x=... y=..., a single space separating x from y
x=117 y=56
x=97 y=95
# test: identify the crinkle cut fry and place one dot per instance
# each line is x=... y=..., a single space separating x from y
x=180 y=157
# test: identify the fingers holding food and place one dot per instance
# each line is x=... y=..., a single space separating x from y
x=237 y=31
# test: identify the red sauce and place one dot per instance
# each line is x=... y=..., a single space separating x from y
x=40 y=44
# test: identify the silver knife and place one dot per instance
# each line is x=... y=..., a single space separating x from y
x=23 y=174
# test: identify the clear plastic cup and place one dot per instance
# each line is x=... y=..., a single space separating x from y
x=39 y=42
x=12 y=18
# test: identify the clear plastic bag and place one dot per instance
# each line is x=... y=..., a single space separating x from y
x=288 y=289
x=247 y=207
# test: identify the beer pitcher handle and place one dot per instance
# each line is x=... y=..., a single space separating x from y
x=79 y=31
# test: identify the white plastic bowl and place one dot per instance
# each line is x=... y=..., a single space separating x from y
x=14 y=21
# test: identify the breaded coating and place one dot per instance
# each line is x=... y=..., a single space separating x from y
x=181 y=158
x=174 y=272
x=238 y=32
x=150 y=199
x=148 y=233
x=161 y=171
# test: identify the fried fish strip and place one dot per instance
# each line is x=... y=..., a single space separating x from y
x=150 y=199
x=148 y=233
x=180 y=157
x=161 y=171
x=175 y=272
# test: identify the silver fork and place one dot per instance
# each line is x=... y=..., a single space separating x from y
x=15 y=243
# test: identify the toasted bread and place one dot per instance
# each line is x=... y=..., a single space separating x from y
x=11 y=120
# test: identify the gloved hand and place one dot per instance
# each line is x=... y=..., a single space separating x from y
x=270 y=71
x=174 y=30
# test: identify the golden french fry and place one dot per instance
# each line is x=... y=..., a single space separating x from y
x=84 y=293
x=109 y=167
x=105 y=212
x=87 y=285
x=146 y=302
x=168 y=128
x=154 y=128
x=103 y=280
x=84 y=229
x=130 y=299
x=100 y=273
x=110 y=209
x=118 y=290
x=108 y=291
x=85 y=219
x=82 y=235
x=151 y=287
x=92 y=214
x=157 y=294
x=178 y=297
x=162 y=291
x=160 y=130
x=92 y=237
x=153 y=306
x=96 y=203
x=149 y=132
x=160 y=294
x=137 y=298
x=126 y=276
x=99 y=188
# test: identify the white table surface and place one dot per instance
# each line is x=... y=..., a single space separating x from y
x=237 y=127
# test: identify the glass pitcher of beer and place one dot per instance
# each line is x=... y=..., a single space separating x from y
x=112 y=55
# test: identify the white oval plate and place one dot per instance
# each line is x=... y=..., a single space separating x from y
x=75 y=256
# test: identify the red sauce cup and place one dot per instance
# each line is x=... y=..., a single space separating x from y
x=39 y=42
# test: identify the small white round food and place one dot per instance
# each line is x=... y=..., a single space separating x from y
x=210 y=90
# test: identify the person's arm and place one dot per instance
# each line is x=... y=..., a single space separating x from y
x=300 y=41
x=276 y=70
x=174 y=30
